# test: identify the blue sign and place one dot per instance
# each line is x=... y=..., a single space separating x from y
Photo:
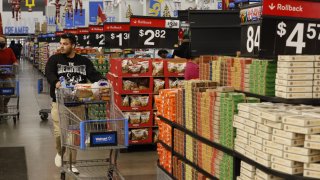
x=16 y=30
x=93 y=11
x=80 y=20
x=155 y=7
x=51 y=20
x=69 y=22
x=103 y=139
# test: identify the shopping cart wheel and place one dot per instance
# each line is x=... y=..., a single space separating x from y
x=110 y=174
x=44 y=116
x=63 y=175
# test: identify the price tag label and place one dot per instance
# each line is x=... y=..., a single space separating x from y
x=83 y=37
x=117 y=35
x=250 y=39
x=97 y=36
x=290 y=27
x=153 y=32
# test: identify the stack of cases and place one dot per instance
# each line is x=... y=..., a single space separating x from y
x=241 y=74
x=43 y=56
x=273 y=135
x=204 y=67
x=262 y=77
x=297 y=77
x=249 y=172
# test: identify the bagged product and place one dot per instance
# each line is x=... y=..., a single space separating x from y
x=134 y=117
x=157 y=68
x=145 y=117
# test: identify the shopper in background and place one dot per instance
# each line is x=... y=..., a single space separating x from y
x=183 y=51
x=164 y=54
x=19 y=45
x=7 y=57
x=75 y=69
x=192 y=69
x=15 y=49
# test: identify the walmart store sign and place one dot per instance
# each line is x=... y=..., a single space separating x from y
x=16 y=30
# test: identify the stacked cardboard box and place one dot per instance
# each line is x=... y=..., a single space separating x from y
x=240 y=75
x=204 y=67
x=297 y=77
x=273 y=135
x=221 y=70
x=249 y=172
x=262 y=77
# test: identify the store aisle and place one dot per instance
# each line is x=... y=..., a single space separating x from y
x=35 y=135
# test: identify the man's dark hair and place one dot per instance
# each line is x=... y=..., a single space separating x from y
x=69 y=36
x=162 y=51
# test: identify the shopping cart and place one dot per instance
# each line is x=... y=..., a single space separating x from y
x=9 y=93
x=91 y=123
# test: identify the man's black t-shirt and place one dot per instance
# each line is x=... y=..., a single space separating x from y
x=75 y=70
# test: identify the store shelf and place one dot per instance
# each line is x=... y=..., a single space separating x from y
x=196 y=167
x=192 y=134
x=229 y=152
x=165 y=171
x=271 y=171
x=314 y=102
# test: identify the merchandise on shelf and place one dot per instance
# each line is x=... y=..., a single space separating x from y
x=164 y=158
x=248 y=171
x=297 y=77
x=279 y=136
x=137 y=82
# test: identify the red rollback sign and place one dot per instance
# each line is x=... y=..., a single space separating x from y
x=59 y=33
x=72 y=31
x=116 y=27
x=96 y=29
x=148 y=22
x=290 y=8
x=83 y=31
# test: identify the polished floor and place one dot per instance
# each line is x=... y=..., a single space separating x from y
x=36 y=136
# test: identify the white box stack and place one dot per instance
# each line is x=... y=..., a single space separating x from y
x=281 y=137
x=298 y=77
x=249 y=172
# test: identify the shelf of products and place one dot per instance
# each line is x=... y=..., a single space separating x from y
x=137 y=82
x=200 y=136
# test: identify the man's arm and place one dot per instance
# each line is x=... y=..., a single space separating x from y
x=51 y=72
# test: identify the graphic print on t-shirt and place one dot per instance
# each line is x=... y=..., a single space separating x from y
x=73 y=74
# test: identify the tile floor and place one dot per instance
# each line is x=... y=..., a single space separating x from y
x=36 y=136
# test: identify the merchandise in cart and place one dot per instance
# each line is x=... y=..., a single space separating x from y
x=9 y=93
x=89 y=120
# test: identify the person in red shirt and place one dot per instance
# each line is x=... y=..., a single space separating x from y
x=7 y=57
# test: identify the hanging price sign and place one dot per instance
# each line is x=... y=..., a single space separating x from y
x=293 y=27
x=153 y=32
x=83 y=37
x=117 y=35
x=250 y=30
x=97 y=37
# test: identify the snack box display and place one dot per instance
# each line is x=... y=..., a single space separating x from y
x=140 y=136
x=288 y=142
x=304 y=64
x=266 y=163
x=264 y=135
x=294 y=58
x=294 y=95
x=262 y=155
x=313 y=174
x=248 y=166
x=300 y=151
x=296 y=70
x=288 y=170
x=302 y=158
x=247 y=173
x=272 y=151
x=313 y=138
x=280 y=82
x=276 y=125
x=288 y=135
x=302 y=130
x=294 y=89
x=312 y=145
x=302 y=120
x=272 y=144
x=285 y=162
x=266 y=176
x=295 y=77
x=131 y=67
x=312 y=166
x=126 y=104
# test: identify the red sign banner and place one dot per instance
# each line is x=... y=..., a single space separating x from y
x=116 y=27
x=148 y=22
x=289 y=8
x=59 y=33
x=83 y=31
x=96 y=29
